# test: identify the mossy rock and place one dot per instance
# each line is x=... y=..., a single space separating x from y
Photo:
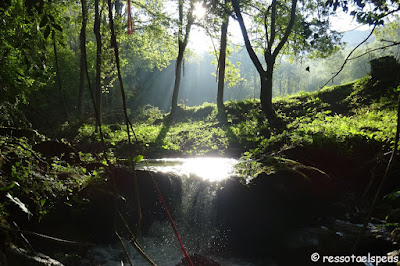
x=393 y=217
x=384 y=68
x=271 y=205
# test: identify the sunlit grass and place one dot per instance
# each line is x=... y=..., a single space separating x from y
x=331 y=115
x=196 y=138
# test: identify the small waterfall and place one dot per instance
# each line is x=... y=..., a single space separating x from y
x=198 y=214
x=195 y=216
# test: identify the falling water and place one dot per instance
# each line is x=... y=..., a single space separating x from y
x=207 y=168
x=195 y=218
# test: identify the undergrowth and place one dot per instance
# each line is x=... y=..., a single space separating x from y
x=358 y=112
x=35 y=184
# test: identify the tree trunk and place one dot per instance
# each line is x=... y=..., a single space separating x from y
x=182 y=43
x=96 y=31
x=266 y=93
x=58 y=76
x=270 y=54
x=221 y=65
x=178 y=74
x=82 y=39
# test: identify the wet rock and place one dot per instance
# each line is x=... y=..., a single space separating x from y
x=151 y=207
x=393 y=216
x=171 y=189
x=89 y=218
x=395 y=234
x=93 y=217
x=20 y=256
x=198 y=260
x=93 y=148
x=115 y=127
x=336 y=237
x=62 y=150
x=28 y=133
x=257 y=215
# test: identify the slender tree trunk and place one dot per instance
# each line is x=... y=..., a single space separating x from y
x=182 y=43
x=221 y=65
x=266 y=93
x=129 y=127
x=96 y=31
x=255 y=84
x=82 y=39
x=58 y=76
x=270 y=54
x=178 y=74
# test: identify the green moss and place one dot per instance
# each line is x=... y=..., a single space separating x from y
x=36 y=181
x=353 y=114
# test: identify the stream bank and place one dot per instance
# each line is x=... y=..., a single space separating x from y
x=306 y=187
x=287 y=212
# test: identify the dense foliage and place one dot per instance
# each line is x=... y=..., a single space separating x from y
x=59 y=65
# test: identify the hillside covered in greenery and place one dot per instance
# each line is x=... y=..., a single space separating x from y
x=346 y=132
x=97 y=96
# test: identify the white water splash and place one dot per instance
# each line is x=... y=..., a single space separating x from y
x=207 y=168
x=196 y=217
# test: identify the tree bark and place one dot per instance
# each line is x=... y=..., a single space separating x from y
x=82 y=39
x=96 y=31
x=266 y=94
x=58 y=76
x=182 y=43
x=269 y=55
x=178 y=74
x=221 y=66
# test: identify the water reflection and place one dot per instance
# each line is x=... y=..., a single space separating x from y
x=208 y=168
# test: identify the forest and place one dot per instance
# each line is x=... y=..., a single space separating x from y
x=188 y=132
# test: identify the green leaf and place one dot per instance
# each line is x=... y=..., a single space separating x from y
x=138 y=158
x=42 y=202
x=8 y=187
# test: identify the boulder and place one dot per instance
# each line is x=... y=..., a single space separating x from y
x=256 y=216
x=385 y=69
x=198 y=260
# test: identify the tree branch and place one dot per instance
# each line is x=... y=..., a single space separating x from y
x=375 y=49
x=190 y=20
x=249 y=48
x=151 y=12
x=265 y=25
x=348 y=56
x=50 y=238
x=273 y=26
x=288 y=29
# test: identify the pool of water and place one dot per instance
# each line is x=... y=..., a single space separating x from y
x=196 y=217
x=213 y=169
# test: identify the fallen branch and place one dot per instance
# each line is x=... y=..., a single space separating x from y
x=13 y=143
x=24 y=238
x=50 y=238
x=124 y=247
x=134 y=241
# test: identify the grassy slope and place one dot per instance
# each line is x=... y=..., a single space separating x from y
x=338 y=128
x=345 y=116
